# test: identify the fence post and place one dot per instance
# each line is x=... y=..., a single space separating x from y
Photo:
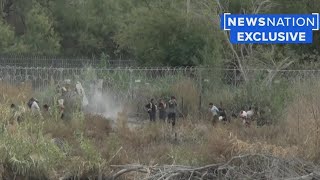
x=200 y=96
x=182 y=106
x=130 y=84
x=235 y=77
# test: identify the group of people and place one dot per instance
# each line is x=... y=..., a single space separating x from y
x=167 y=110
x=68 y=97
x=219 y=114
x=33 y=106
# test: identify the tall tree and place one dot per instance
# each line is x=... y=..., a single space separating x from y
x=40 y=36
x=163 y=34
x=7 y=37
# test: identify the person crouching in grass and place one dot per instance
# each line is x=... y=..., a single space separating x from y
x=46 y=111
x=33 y=105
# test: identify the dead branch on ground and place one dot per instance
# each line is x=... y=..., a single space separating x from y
x=255 y=166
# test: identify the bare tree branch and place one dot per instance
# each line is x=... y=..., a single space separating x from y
x=244 y=74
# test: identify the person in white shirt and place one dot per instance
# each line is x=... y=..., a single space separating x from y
x=247 y=116
x=215 y=113
x=34 y=106
x=61 y=107
x=81 y=92
x=214 y=110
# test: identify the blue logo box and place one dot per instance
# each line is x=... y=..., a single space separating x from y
x=270 y=28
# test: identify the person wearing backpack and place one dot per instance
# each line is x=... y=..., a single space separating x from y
x=172 y=108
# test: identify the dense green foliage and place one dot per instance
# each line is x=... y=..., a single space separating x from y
x=174 y=33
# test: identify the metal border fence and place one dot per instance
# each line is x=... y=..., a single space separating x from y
x=23 y=60
x=41 y=76
x=141 y=83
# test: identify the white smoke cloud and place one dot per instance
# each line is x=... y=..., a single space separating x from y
x=103 y=103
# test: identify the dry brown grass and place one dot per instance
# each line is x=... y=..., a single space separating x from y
x=15 y=94
x=302 y=123
x=188 y=91
x=96 y=126
x=198 y=143
x=54 y=129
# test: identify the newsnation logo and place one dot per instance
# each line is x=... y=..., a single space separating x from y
x=270 y=28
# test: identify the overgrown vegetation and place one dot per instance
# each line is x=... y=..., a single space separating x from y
x=173 y=33
x=88 y=145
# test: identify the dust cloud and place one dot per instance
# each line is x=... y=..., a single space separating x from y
x=103 y=103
